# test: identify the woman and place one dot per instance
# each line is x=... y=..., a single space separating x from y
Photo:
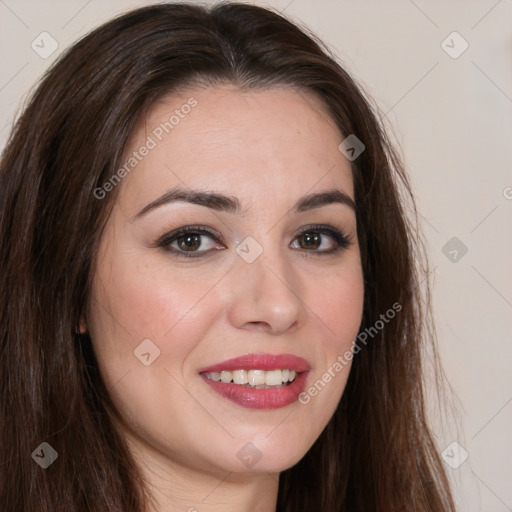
x=209 y=296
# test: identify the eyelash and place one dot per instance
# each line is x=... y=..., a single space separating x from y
x=342 y=241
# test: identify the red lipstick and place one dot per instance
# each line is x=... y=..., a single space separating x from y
x=253 y=398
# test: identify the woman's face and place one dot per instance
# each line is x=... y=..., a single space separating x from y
x=241 y=254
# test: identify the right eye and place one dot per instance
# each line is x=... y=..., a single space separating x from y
x=191 y=241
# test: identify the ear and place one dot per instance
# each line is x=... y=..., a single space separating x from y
x=82 y=325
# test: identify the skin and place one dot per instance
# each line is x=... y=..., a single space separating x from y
x=269 y=148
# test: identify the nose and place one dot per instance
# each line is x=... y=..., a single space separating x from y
x=265 y=296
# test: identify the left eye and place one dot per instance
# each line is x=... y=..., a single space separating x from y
x=314 y=241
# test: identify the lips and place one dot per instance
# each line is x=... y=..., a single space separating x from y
x=249 y=370
x=260 y=362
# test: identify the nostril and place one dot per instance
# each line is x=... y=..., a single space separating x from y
x=259 y=326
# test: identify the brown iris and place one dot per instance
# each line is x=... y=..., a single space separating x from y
x=189 y=242
x=310 y=240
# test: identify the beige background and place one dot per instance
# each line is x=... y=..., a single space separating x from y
x=453 y=119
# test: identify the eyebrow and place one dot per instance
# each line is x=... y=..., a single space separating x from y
x=231 y=204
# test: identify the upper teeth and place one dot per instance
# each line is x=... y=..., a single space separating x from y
x=254 y=377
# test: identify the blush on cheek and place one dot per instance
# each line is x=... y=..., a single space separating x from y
x=145 y=305
x=341 y=310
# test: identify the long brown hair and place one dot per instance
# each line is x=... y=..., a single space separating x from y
x=376 y=453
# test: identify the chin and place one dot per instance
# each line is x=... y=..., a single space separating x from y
x=263 y=454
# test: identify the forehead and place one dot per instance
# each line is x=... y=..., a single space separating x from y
x=279 y=142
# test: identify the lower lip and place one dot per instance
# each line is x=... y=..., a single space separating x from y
x=260 y=398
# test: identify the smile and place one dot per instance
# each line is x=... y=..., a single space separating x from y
x=259 y=381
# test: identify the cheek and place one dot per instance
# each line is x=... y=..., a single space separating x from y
x=133 y=302
x=338 y=300
x=339 y=305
